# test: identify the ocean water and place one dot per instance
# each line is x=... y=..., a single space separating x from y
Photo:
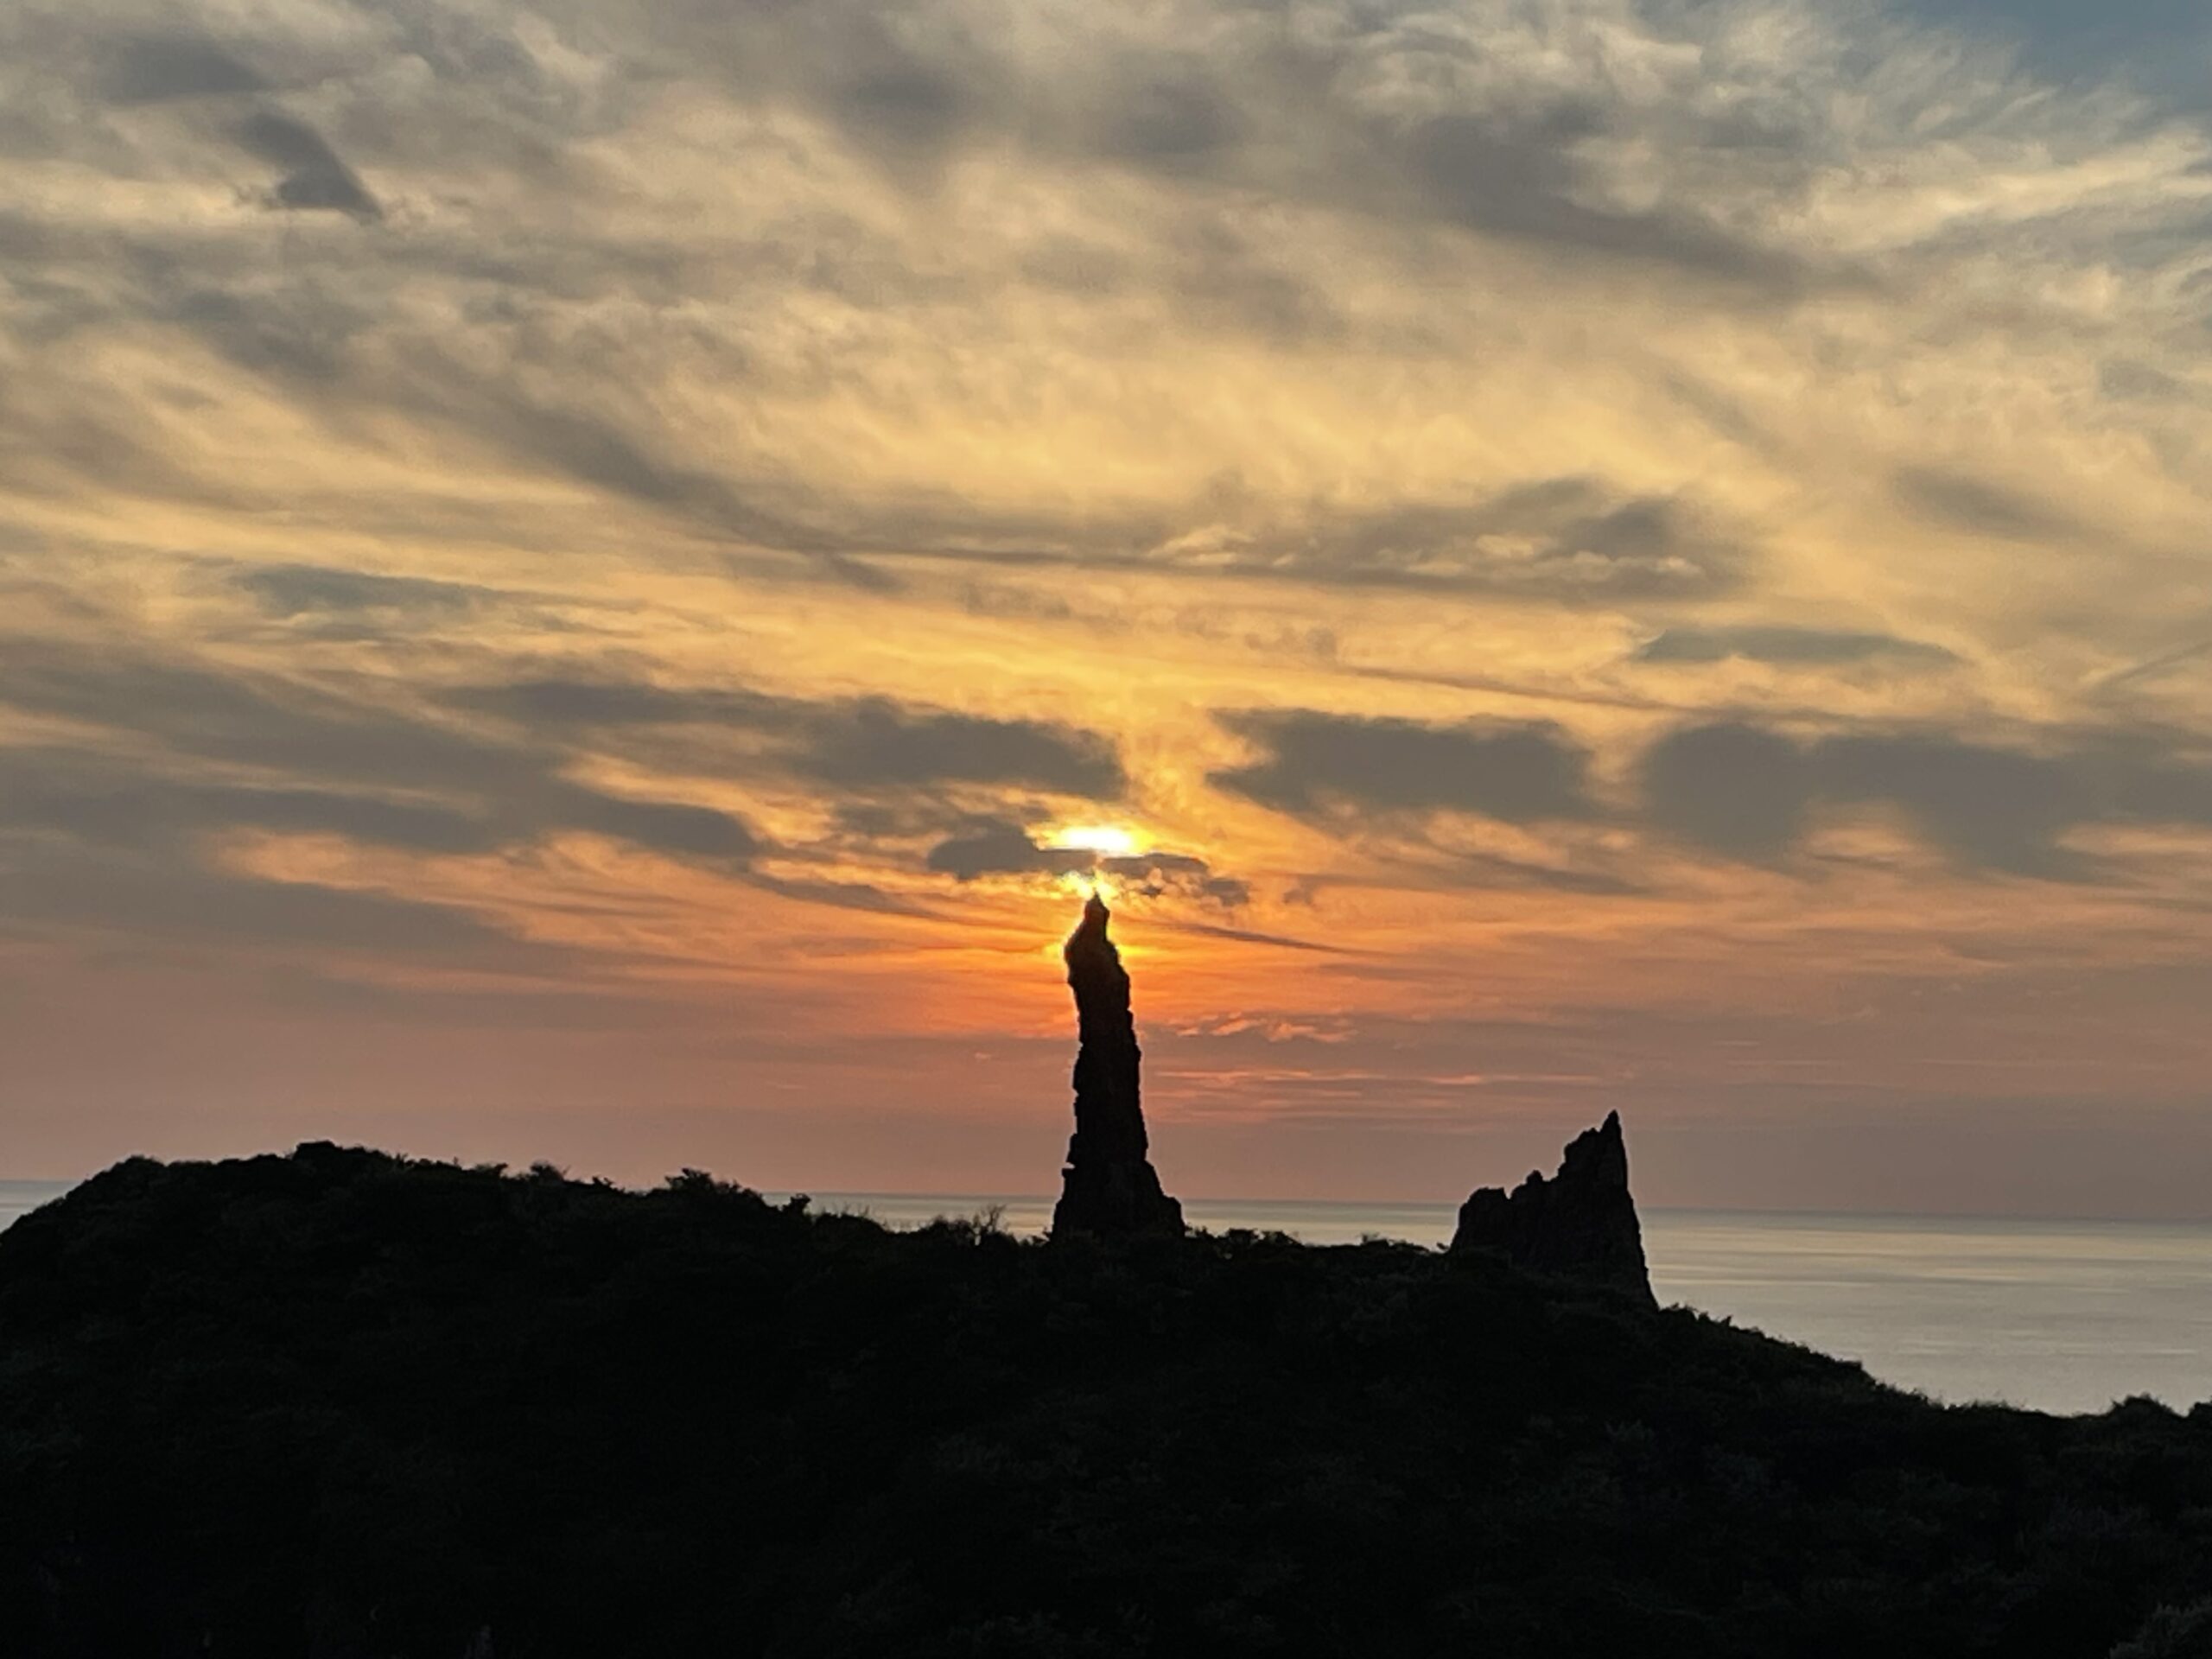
x=2065 y=1316
x=19 y=1196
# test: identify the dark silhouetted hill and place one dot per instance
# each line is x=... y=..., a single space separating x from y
x=341 y=1405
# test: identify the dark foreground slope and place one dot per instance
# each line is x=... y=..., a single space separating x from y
x=342 y=1405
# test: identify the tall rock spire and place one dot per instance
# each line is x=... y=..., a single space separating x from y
x=1109 y=1185
x=1581 y=1223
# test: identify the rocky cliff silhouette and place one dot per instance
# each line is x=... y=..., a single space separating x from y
x=1581 y=1223
x=1110 y=1187
x=341 y=1405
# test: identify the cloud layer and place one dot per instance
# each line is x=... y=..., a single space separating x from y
x=704 y=524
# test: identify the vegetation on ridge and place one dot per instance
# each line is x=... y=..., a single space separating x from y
x=349 y=1405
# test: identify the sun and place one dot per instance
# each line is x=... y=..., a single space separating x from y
x=1108 y=840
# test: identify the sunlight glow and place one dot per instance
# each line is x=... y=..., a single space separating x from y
x=1109 y=840
x=1084 y=883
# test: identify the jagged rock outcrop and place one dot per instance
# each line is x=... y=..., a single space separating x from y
x=1581 y=1223
x=1109 y=1185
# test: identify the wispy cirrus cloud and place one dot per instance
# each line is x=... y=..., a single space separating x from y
x=1789 y=647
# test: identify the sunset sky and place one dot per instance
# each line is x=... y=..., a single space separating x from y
x=589 y=581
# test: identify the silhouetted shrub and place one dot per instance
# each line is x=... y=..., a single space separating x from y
x=2171 y=1633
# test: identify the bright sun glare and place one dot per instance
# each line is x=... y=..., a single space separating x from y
x=1108 y=839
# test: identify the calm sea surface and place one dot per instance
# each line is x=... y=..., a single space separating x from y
x=2059 y=1315
x=2063 y=1316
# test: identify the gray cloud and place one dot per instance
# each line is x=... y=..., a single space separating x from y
x=120 y=801
x=155 y=68
x=1173 y=118
x=1985 y=808
x=1743 y=790
x=590 y=446
x=1522 y=179
x=1980 y=507
x=861 y=896
x=1004 y=849
x=1297 y=114
x=254 y=720
x=520 y=395
x=1315 y=762
x=552 y=703
x=1733 y=788
x=865 y=743
x=2125 y=379
x=284 y=336
x=1789 y=648
x=1246 y=936
x=1748 y=793
x=874 y=743
x=1519 y=875
x=1568 y=540
x=905 y=111
x=314 y=178
x=298 y=759
x=295 y=590
x=185 y=754
x=676 y=828
x=548 y=384
x=64 y=889
x=1370 y=112
x=998 y=846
